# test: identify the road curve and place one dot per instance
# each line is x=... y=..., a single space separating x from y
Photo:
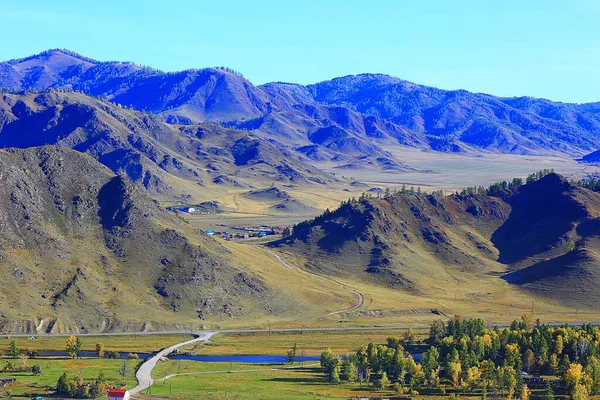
x=144 y=372
x=361 y=298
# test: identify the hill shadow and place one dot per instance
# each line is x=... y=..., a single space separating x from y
x=542 y=214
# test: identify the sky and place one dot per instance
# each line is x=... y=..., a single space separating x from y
x=540 y=48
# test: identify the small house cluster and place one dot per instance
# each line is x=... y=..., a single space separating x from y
x=247 y=232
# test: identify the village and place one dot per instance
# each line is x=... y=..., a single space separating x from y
x=234 y=232
x=247 y=232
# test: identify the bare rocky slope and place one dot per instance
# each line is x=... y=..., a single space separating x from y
x=85 y=250
x=146 y=149
x=545 y=236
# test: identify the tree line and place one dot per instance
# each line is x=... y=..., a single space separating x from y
x=498 y=189
x=464 y=356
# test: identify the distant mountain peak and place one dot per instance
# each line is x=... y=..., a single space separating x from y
x=52 y=52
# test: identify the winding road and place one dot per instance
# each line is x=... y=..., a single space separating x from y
x=144 y=372
x=360 y=298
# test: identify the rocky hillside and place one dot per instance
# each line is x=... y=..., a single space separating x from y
x=353 y=120
x=84 y=250
x=545 y=237
x=146 y=149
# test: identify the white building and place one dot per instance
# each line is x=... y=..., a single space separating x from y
x=118 y=394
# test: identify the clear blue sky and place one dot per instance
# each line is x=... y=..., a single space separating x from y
x=542 y=48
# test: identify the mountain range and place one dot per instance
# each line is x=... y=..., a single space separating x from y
x=353 y=120
x=87 y=147
x=158 y=155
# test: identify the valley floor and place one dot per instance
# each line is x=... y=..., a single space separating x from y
x=472 y=295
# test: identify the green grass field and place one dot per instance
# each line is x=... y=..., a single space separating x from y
x=28 y=385
x=247 y=381
x=123 y=343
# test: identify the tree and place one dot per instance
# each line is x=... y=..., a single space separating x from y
x=384 y=382
x=526 y=321
x=97 y=389
x=13 y=350
x=549 y=393
x=558 y=345
x=580 y=392
x=396 y=368
x=528 y=360
x=37 y=370
x=334 y=376
x=429 y=361
x=436 y=332
x=573 y=377
x=525 y=393
x=62 y=386
x=592 y=371
x=72 y=346
x=100 y=350
x=331 y=364
x=113 y=354
x=564 y=365
x=488 y=373
x=326 y=358
x=509 y=380
x=393 y=342
x=124 y=369
x=473 y=378
x=553 y=363
x=408 y=338
x=453 y=370
x=291 y=355
x=23 y=362
x=348 y=370
x=512 y=356
x=9 y=366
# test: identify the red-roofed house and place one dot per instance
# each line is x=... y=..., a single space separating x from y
x=118 y=394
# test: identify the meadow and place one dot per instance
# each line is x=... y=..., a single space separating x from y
x=122 y=343
x=247 y=381
x=28 y=385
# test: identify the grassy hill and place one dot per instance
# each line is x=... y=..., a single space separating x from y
x=540 y=237
x=84 y=250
